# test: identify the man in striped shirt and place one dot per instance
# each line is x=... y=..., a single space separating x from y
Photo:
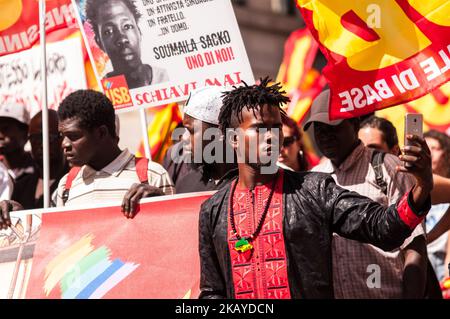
x=107 y=174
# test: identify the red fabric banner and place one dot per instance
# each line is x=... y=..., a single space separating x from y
x=98 y=253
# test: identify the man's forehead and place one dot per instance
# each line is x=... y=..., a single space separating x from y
x=7 y=121
x=260 y=113
x=328 y=126
x=372 y=134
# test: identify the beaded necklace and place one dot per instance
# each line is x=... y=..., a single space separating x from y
x=244 y=243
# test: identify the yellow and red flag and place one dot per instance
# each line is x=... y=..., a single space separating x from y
x=19 y=28
x=380 y=53
x=165 y=119
x=301 y=99
x=301 y=82
x=19 y=22
x=300 y=50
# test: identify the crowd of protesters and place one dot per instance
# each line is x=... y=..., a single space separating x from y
x=364 y=208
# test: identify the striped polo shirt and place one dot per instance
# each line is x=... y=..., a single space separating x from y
x=111 y=183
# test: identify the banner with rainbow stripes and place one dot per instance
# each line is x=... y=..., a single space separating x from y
x=83 y=272
x=97 y=253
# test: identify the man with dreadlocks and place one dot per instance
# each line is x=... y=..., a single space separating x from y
x=269 y=235
x=115 y=25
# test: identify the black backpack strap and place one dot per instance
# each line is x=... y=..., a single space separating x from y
x=377 y=164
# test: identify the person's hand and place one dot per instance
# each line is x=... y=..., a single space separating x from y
x=6 y=207
x=134 y=195
x=419 y=156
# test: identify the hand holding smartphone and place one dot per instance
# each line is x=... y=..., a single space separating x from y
x=417 y=158
x=413 y=126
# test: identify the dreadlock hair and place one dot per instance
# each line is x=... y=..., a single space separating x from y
x=92 y=6
x=252 y=98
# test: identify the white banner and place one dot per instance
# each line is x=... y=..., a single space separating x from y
x=20 y=79
x=153 y=52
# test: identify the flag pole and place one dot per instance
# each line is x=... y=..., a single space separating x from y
x=144 y=128
x=23 y=241
x=45 y=133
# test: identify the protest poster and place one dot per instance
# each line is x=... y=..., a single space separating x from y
x=20 y=75
x=86 y=252
x=380 y=53
x=153 y=52
x=19 y=22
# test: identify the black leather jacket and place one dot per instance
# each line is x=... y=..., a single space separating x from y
x=314 y=208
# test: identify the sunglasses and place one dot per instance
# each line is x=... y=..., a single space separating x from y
x=288 y=140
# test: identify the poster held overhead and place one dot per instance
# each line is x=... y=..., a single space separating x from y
x=149 y=53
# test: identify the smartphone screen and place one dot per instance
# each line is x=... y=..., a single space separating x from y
x=413 y=126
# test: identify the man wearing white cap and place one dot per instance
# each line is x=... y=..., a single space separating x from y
x=201 y=113
x=14 y=120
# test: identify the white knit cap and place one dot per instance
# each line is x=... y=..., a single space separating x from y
x=204 y=104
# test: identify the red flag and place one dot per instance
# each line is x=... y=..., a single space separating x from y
x=301 y=99
x=301 y=82
x=165 y=119
x=380 y=53
x=300 y=51
x=98 y=253
x=19 y=28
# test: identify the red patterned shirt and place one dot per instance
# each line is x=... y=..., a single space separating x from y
x=262 y=272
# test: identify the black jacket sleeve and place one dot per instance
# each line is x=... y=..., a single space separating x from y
x=359 y=218
x=212 y=284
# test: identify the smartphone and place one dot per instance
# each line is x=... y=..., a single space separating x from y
x=413 y=126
